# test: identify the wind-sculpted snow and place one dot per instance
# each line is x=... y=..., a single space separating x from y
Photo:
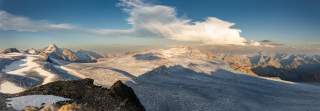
x=132 y=65
x=190 y=81
x=177 y=88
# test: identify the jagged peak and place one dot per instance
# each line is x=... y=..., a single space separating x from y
x=51 y=48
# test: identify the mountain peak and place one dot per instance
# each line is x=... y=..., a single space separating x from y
x=51 y=48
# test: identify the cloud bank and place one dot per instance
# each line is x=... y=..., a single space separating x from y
x=147 y=20
x=160 y=20
x=9 y=22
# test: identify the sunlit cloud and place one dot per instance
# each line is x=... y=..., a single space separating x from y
x=162 y=21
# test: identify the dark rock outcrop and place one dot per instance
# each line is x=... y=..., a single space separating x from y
x=2 y=102
x=147 y=56
x=118 y=98
x=3 y=105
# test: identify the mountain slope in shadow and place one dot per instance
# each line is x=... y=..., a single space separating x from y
x=177 y=88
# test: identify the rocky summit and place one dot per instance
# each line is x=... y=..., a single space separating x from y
x=89 y=97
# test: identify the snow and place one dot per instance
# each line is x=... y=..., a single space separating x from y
x=174 y=52
x=28 y=64
x=128 y=67
x=179 y=89
x=25 y=68
x=72 y=72
x=198 y=84
x=19 y=68
x=18 y=103
x=10 y=88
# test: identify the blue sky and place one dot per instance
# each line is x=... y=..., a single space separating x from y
x=100 y=22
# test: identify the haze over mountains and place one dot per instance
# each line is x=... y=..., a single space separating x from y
x=177 y=78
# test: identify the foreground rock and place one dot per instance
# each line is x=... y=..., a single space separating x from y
x=84 y=94
x=2 y=102
x=3 y=106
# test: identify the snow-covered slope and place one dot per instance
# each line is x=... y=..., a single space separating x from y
x=22 y=70
x=28 y=72
x=184 y=79
x=177 y=88
x=54 y=54
x=132 y=65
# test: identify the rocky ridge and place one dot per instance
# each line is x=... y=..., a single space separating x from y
x=85 y=96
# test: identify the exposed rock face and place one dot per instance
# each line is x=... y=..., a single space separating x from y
x=71 y=107
x=3 y=105
x=2 y=102
x=289 y=67
x=10 y=50
x=118 y=98
x=51 y=52
x=69 y=55
x=147 y=56
x=239 y=63
x=31 y=108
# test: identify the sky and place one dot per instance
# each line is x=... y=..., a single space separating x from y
x=103 y=23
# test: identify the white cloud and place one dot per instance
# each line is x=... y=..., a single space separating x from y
x=24 y=24
x=160 y=20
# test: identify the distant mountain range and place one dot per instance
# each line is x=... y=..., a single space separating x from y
x=53 y=54
x=299 y=68
x=21 y=70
